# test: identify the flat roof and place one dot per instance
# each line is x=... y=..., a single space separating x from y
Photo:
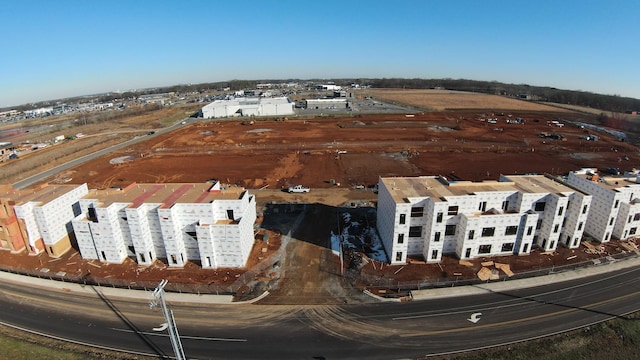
x=165 y=194
x=328 y=100
x=42 y=194
x=249 y=101
x=612 y=182
x=439 y=188
x=534 y=184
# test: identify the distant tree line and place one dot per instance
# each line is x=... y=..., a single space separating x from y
x=613 y=103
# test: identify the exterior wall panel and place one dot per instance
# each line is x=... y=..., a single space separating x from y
x=470 y=219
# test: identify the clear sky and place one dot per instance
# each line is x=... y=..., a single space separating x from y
x=56 y=49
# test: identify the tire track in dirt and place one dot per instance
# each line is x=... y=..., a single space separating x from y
x=340 y=323
x=240 y=315
x=286 y=168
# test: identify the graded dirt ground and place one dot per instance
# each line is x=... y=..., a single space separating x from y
x=356 y=150
x=99 y=130
x=333 y=155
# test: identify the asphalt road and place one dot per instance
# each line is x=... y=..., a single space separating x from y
x=373 y=331
x=51 y=172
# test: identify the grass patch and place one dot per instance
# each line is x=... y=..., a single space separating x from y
x=168 y=121
x=17 y=345
x=614 y=339
x=18 y=350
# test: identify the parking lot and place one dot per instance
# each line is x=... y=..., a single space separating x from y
x=357 y=103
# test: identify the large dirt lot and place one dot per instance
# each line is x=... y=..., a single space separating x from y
x=356 y=150
x=334 y=155
x=440 y=100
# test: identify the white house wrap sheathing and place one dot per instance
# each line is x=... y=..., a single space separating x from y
x=616 y=204
x=47 y=214
x=179 y=222
x=428 y=216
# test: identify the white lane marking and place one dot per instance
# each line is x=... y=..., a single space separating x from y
x=182 y=336
x=475 y=317
x=162 y=327
x=519 y=301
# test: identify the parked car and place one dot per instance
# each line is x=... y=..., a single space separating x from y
x=298 y=189
x=612 y=171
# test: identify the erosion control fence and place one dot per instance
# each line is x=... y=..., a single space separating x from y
x=123 y=283
x=372 y=281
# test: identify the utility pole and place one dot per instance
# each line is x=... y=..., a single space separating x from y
x=340 y=243
x=341 y=258
x=170 y=324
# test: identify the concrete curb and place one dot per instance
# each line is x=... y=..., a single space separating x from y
x=255 y=299
x=380 y=298
x=120 y=293
x=508 y=285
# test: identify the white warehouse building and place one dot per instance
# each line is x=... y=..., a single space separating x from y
x=275 y=106
x=179 y=222
x=429 y=216
x=333 y=103
x=615 y=209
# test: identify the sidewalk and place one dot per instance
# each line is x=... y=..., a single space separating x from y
x=507 y=285
x=111 y=292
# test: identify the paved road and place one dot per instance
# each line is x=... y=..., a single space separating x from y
x=377 y=331
x=51 y=172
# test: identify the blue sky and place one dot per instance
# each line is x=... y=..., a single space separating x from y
x=56 y=49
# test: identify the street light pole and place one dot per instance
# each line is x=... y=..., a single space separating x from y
x=158 y=294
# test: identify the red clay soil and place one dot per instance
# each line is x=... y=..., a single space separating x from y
x=278 y=154
x=451 y=269
x=351 y=151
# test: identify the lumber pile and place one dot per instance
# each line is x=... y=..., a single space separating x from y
x=593 y=249
x=630 y=246
x=491 y=270
x=484 y=274
x=506 y=268
x=465 y=263
x=488 y=274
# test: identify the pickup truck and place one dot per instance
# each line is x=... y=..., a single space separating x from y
x=298 y=189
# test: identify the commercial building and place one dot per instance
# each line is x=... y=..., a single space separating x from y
x=250 y=106
x=179 y=222
x=431 y=215
x=615 y=210
x=335 y=103
x=7 y=151
x=39 y=219
x=330 y=87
